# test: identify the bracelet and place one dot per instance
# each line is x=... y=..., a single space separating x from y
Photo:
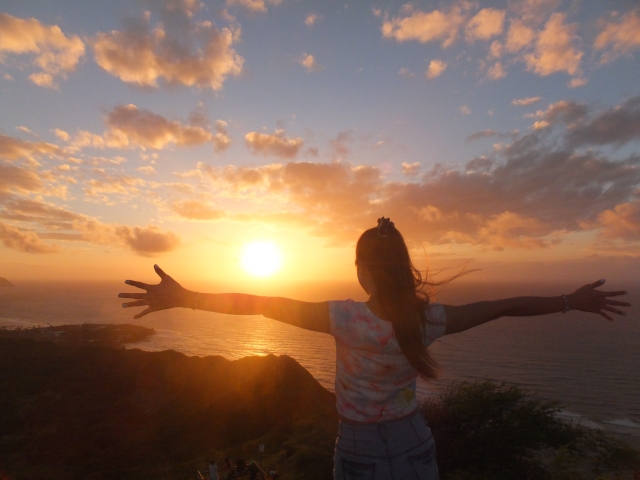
x=195 y=302
x=566 y=306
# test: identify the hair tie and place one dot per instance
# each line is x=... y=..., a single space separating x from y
x=384 y=225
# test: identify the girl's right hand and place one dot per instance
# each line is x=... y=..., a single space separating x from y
x=588 y=299
x=167 y=294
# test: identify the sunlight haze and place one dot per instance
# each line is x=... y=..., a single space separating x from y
x=500 y=135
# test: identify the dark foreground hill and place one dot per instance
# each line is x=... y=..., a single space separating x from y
x=71 y=411
x=98 y=412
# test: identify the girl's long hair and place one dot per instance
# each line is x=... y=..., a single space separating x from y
x=401 y=290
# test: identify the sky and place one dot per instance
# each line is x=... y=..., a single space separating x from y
x=500 y=135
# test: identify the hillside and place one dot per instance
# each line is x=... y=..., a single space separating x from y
x=97 y=412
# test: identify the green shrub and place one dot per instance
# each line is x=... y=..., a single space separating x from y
x=485 y=430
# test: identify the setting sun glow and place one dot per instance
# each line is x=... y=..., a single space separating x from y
x=261 y=259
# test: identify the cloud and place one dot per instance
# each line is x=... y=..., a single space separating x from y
x=526 y=101
x=465 y=110
x=616 y=126
x=130 y=126
x=556 y=49
x=149 y=241
x=435 y=69
x=199 y=55
x=621 y=222
x=483 y=134
x=508 y=200
x=341 y=145
x=424 y=27
x=17 y=179
x=221 y=140
x=577 y=82
x=405 y=72
x=618 y=36
x=15 y=239
x=311 y=19
x=496 y=71
x=119 y=184
x=197 y=210
x=254 y=5
x=276 y=144
x=519 y=36
x=487 y=23
x=410 y=169
x=13 y=149
x=54 y=54
x=309 y=62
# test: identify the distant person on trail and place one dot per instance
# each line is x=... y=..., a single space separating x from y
x=381 y=347
x=253 y=470
x=213 y=470
x=226 y=469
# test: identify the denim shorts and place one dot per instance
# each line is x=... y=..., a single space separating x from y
x=400 y=449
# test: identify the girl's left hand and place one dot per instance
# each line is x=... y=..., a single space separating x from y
x=167 y=294
x=588 y=299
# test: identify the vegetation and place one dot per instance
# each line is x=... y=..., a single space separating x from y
x=485 y=430
x=70 y=411
x=115 y=336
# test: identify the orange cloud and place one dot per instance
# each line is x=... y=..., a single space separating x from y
x=54 y=54
x=435 y=69
x=17 y=179
x=487 y=23
x=13 y=149
x=143 y=56
x=519 y=36
x=309 y=62
x=621 y=222
x=555 y=49
x=525 y=101
x=129 y=125
x=12 y=237
x=149 y=241
x=427 y=26
x=254 y=5
x=618 y=36
x=410 y=169
x=197 y=210
x=277 y=144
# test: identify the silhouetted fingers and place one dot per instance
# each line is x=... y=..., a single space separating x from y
x=144 y=312
x=137 y=303
x=601 y=313
x=614 y=310
x=616 y=302
x=132 y=295
x=160 y=272
x=597 y=284
x=614 y=294
x=141 y=285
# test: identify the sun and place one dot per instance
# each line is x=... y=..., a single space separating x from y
x=261 y=259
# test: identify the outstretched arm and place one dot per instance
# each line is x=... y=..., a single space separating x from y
x=170 y=294
x=585 y=299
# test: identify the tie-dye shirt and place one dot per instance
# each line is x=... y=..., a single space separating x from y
x=374 y=380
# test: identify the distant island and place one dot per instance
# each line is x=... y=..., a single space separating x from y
x=75 y=404
x=5 y=283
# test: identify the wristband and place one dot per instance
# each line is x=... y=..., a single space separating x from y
x=565 y=307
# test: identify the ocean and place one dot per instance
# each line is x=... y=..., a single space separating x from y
x=589 y=365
